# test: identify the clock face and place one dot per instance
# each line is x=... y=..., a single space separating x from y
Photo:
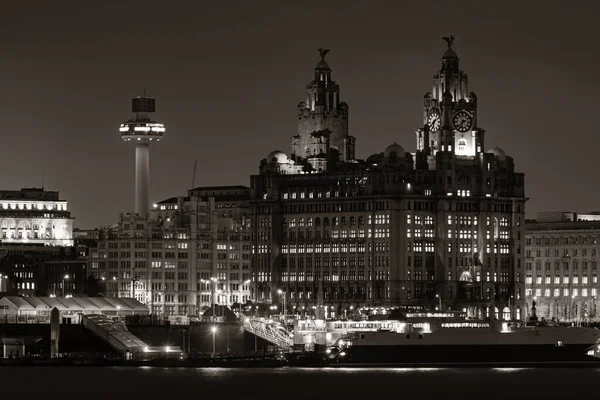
x=462 y=121
x=434 y=122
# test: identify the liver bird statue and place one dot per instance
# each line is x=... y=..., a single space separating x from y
x=449 y=40
x=323 y=52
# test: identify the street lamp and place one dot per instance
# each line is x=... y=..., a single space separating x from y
x=118 y=308
x=510 y=309
x=63 y=284
x=214 y=331
x=282 y=292
x=437 y=296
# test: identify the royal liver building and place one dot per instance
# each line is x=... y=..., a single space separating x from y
x=439 y=227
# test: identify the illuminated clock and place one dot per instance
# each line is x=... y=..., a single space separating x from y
x=434 y=122
x=462 y=121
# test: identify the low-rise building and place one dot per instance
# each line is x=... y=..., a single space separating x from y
x=561 y=260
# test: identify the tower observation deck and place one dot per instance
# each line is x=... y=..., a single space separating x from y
x=141 y=130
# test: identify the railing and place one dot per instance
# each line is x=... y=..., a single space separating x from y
x=270 y=331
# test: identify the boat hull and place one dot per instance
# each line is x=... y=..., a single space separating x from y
x=466 y=353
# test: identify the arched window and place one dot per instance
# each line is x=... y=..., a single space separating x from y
x=325 y=221
x=317 y=221
x=462 y=145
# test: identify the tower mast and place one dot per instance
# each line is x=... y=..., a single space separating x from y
x=142 y=131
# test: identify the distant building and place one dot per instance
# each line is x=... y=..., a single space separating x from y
x=35 y=226
x=63 y=276
x=34 y=216
x=561 y=263
x=440 y=227
x=189 y=249
x=86 y=234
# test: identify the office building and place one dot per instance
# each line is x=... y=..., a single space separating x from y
x=440 y=227
x=561 y=255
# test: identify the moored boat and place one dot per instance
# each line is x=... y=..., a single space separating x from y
x=449 y=337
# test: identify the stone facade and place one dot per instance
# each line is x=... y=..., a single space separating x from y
x=322 y=139
x=443 y=226
x=561 y=266
x=33 y=216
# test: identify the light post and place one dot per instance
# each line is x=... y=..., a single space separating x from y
x=437 y=296
x=63 y=284
x=214 y=331
x=282 y=292
x=118 y=308
x=510 y=309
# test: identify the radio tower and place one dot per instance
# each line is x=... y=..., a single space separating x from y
x=142 y=131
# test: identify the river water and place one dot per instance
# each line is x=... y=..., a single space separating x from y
x=90 y=383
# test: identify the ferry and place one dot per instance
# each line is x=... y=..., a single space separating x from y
x=448 y=337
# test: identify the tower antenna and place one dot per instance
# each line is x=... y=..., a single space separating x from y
x=194 y=174
x=142 y=131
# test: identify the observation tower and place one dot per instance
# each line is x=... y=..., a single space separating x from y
x=141 y=131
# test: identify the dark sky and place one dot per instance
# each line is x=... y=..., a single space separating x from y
x=228 y=76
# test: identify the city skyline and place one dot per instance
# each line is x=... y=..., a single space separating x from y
x=241 y=86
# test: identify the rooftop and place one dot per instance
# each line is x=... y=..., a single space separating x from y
x=76 y=304
x=533 y=225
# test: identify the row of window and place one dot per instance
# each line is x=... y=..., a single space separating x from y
x=557 y=281
x=549 y=240
x=557 y=264
x=564 y=253
x=565 y=292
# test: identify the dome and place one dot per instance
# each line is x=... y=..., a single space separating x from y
x=498 y=152
x=450 y=54
x=394 y=149
x=277 y=157
x=322 y=65
x=375 y=158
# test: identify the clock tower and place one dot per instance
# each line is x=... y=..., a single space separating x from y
x=450 y=113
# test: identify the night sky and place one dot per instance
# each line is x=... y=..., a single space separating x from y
x=227 y=77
